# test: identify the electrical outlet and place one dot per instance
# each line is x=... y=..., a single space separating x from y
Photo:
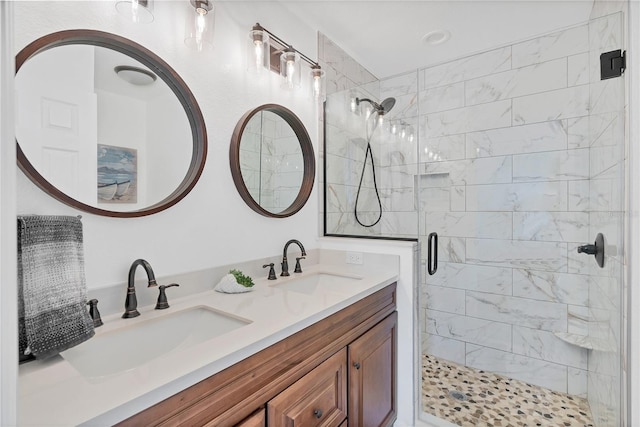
x=354 y=257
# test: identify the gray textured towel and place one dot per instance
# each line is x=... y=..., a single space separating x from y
x=52 y=292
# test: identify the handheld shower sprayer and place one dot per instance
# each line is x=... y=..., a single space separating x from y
x=380 y=109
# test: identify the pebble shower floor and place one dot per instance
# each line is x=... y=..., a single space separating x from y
x=470 y=397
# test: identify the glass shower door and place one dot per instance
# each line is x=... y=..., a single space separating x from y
x=521 y=162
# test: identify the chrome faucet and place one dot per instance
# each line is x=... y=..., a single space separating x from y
x=131 y=302
x=285 y=263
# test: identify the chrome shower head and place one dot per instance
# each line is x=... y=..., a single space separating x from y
x=382 y=108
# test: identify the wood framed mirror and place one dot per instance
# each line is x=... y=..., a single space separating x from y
x=272 y=161
x=106 y=126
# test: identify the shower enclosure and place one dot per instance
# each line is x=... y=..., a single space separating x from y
x=515 y=158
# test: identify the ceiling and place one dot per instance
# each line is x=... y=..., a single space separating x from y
x=386 y=36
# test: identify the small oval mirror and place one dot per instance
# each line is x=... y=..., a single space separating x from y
x=272 y=161
x=105 y=125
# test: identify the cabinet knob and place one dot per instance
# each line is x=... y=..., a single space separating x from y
x=317 y=413
x=356 y=365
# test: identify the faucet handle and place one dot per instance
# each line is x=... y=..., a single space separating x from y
x=162 y=298
x=94 y=313
x=272 y=271
x=298 y=269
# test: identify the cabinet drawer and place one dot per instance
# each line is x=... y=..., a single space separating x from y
x=257 y=419
x=317 y=399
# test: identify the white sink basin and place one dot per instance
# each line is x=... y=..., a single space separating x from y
x=330 y=282
x=131 y=346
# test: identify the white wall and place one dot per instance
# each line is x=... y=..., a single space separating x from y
x=212 y=225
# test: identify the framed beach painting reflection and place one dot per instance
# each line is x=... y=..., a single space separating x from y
x=117 y=174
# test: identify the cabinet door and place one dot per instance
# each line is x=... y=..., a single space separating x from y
x=372 y=376
x=257 y=419
x=317 y=399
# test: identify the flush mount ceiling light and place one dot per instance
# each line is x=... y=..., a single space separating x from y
x=134 y=75
x=138 y=11
x=266 y=51
x=436 y=37
x=199 y=25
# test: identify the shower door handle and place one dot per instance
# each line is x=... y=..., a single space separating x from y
x=432 y=253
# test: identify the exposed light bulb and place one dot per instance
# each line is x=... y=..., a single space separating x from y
x=353 y=106
x=259 y=53
x=135 y=11
x=291 y=70
x=380 y=119
x=394 y=128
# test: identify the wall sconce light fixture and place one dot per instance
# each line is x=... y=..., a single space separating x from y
x=267 y=51
x=198 y=32
x=138 y=11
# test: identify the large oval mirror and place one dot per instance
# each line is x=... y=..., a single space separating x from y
x=272 y=161
x=105 y=125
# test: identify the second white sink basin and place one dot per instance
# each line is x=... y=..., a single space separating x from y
x=131 y=346
x=331 y=282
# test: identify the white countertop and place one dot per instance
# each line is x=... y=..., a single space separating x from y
x=53 y=393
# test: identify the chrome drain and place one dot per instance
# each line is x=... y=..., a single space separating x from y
x=458 y=395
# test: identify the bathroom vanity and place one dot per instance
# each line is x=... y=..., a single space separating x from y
x=317 y=348
x=316 y=377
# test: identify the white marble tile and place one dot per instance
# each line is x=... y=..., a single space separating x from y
x=578 y=69
x=442 y=98
x=606 y=163
x=578 y=320
x=538 y=196
x=396 y=176
x=495 y=280
x=551 y=226
x=395 y=153
x=577 y=382
x=444 y=348
x=555 y=287
x=552 y=46
x=344 y=223
x=547 y=316
x=450 y=249
x=396 y=224
x=579 y=199
x=468 y=329
x=403 y=83
x=605 y=195
x=440 y=298
x=606 y=129
x=604 y=399
x=486 y=170
x=605 y=33
x=605 y=293
x=579 y=136
x=458 y=196
x=607 y=96
x=554 y=105
x=551 y=166
x=546 y=346
x=406 y=105
x=541 y=77
x=530 y=370
x=441 y=149
x=546 y=136
x=467 y=119
x=490 y=225
x=544 y=256
x=482 y=64
x=432 y=180
x=397 y=199
x=435 y=199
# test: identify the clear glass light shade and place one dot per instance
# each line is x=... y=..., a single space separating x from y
x=199 y=25
x=318 y=90
x=258 y=52
x=290 y=69
x=137 y=11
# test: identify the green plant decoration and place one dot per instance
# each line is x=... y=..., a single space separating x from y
x=243 y=280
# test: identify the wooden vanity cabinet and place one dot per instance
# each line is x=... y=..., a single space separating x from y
x=372 y=376
x=257 y=419
x=322 y=356
x=319 y=399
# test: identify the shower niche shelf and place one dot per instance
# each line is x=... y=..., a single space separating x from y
x=584 y=341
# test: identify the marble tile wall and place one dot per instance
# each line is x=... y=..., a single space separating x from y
x=520 y=161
